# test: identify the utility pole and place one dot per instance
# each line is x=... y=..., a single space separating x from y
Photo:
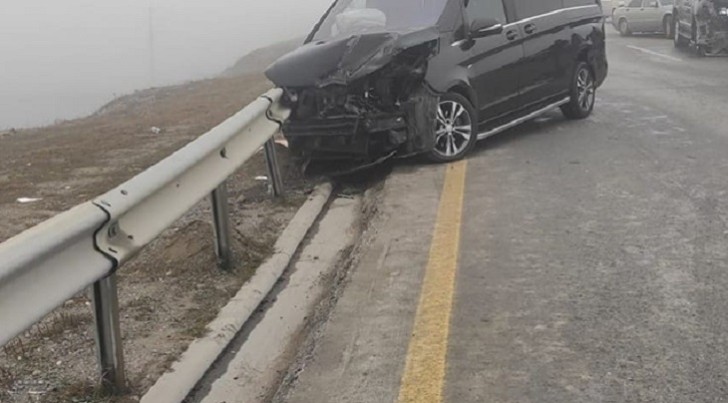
x=152 y=62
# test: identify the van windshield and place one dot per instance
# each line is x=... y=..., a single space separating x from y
x=351 y=17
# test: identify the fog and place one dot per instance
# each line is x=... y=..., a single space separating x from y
x=61 y=59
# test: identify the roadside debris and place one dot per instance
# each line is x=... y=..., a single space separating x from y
x=24 y=200
x=711 y=33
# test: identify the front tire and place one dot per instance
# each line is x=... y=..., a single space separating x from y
x=624 y=27
x=680 y=41
x=668 y=26
x=455 y=129
x=701 y=51
x=583 y=93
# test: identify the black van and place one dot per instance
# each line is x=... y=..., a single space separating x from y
x=382 y=78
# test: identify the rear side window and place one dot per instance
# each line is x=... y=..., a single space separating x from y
x=635 y=4
x=581 y=3
x=487 y=9
x=530 y=8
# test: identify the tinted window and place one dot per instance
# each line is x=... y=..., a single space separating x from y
x=487 y=9
x=580 y=3
x=530 y=8
x=635 y=4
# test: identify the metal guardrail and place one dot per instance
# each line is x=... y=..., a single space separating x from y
x=48 y=264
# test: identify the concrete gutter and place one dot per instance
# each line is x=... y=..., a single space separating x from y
x=176 y=384
x=252 y=373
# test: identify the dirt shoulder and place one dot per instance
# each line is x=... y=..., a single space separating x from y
x=74 y=161
x=172 y=289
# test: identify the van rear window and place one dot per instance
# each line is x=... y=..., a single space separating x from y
x=579 y=3
x=530 y=8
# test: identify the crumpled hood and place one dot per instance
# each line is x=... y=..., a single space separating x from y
x=344 y=60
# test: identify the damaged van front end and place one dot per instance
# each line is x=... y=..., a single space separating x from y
x=711 y=32
x=360 y=98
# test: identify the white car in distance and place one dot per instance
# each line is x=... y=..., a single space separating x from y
x=647 y=16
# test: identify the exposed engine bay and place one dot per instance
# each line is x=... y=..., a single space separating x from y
x=391 y=111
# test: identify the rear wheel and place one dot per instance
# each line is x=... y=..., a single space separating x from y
x=624 y=27
x=455 y=128
x=583 y=93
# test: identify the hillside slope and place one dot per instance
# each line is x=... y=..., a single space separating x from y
x=258 y=60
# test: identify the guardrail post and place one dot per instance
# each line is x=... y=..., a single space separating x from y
x=109 y=347
x=221 y=218
x=274 y=173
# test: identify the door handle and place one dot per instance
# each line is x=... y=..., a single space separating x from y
x=511 y=35
x=529 y=28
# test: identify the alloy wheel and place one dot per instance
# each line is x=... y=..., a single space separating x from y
x=585 y=89
x=453 y=128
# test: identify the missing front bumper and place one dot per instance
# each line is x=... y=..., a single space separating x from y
x=368 y=136
x=346 y=137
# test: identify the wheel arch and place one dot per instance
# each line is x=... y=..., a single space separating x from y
x=466 y=91
x=595 y=59
x=442 y=77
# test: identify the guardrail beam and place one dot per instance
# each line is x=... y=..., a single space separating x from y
x=53 y=261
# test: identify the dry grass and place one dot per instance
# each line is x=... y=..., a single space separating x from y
x=83 y=392
x=53 y=326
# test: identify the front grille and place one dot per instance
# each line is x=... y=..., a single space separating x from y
x=322 y=127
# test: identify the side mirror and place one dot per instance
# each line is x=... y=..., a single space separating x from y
x=482 y=27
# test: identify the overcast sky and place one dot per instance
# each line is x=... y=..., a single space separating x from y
x=65 y=58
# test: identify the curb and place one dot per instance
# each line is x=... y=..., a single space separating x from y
x=174 y=385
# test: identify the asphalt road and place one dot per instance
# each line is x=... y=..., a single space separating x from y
x=594 y=254
x=592 y=263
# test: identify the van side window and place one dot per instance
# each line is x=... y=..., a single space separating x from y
x=635 y=4
x=581 y=3
x=530 y=8
x=487 y=9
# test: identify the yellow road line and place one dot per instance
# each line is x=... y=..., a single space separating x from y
x=424 y=374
